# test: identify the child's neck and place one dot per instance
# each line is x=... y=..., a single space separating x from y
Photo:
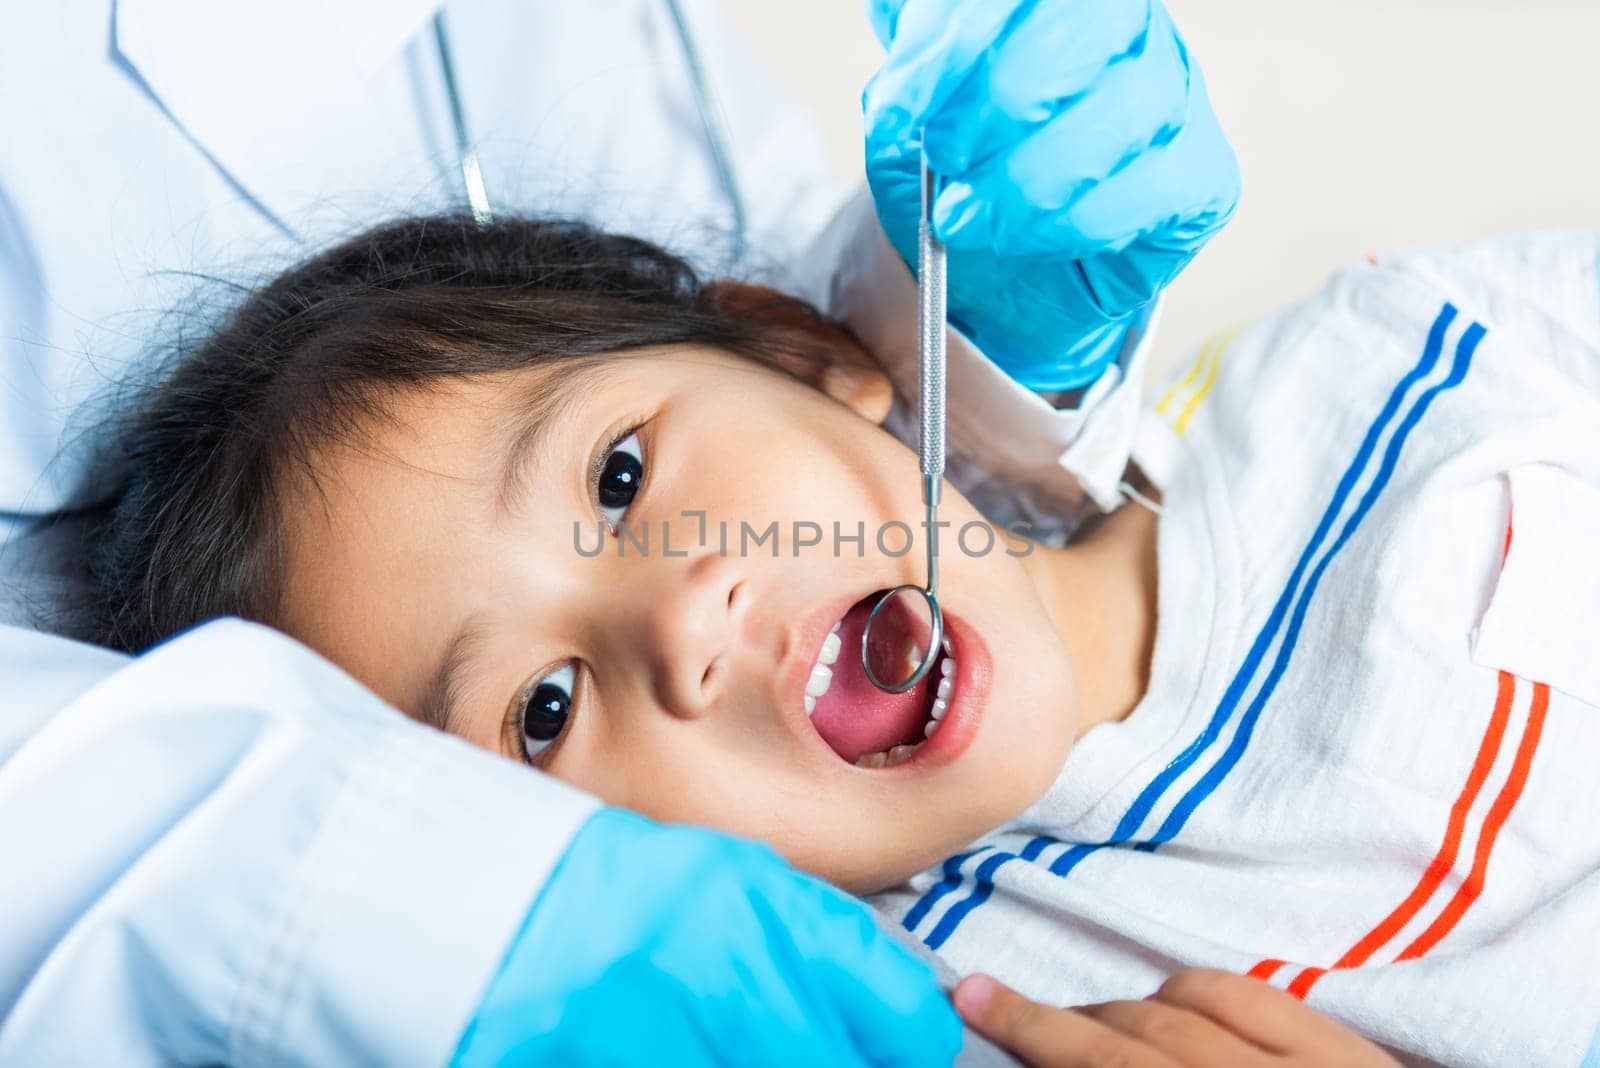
x=1100 y=592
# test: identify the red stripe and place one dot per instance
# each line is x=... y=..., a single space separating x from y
x=1264 y=969
x=1469 y=890
x=1301 y=985
x=1443 y=861
x=1434 y=874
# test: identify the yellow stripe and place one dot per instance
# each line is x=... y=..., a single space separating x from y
x=1189 y=379
x=1221 y=344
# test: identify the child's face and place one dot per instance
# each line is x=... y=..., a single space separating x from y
x=675 y=685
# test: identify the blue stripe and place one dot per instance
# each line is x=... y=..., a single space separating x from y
x=1142 y=805
x=1067 y=861
x=1208 y=783
x=1247 y=671
x=983 y=886
x=952 y=879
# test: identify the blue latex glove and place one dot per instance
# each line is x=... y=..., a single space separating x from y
x=669 y=945
x=1081 y=167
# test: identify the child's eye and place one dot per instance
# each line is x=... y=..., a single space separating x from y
x=621 y=472
x=545 y=712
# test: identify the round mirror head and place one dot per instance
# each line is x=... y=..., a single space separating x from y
x=902 y=639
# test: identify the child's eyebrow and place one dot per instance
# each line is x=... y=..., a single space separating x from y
x=438 y=706
x=534 y=421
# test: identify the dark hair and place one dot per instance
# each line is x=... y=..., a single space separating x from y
x=201 y=454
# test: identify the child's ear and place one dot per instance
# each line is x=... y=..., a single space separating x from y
x=819 y=352
x=864 y=390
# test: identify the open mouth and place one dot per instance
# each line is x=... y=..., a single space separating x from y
x=866 y=726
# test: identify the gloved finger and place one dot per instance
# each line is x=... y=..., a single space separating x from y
x=1006 y=199
x=883 y=16
x=1132 y=275
x=1152 y=218
x=934 y=47
x=887 y=999
x=1053 y=54
x=1190 y=184
x=1036 y=291
x=1120 y=283
x=894 y=173
x=1040 y=325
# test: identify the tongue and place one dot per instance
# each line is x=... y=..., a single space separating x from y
x=855 y=717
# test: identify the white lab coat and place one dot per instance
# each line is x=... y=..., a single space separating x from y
x=227 y=850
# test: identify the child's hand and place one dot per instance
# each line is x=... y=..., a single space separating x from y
x=1198 y=1017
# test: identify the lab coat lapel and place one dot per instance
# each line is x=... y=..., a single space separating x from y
x=268 y=91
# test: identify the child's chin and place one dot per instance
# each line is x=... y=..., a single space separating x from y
x=878 y=875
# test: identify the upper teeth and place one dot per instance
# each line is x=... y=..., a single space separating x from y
x=822 y=671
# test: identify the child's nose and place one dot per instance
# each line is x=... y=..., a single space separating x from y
x=687 y=611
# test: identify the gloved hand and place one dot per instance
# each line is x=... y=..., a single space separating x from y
x=1080 y=165
x=672 y=945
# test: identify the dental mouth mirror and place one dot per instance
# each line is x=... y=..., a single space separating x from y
x=905 y=631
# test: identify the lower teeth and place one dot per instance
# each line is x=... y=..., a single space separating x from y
x=898 y=755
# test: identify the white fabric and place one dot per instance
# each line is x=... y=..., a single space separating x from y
x=228 y=851
x=1544 y=620
x=1373 y=744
